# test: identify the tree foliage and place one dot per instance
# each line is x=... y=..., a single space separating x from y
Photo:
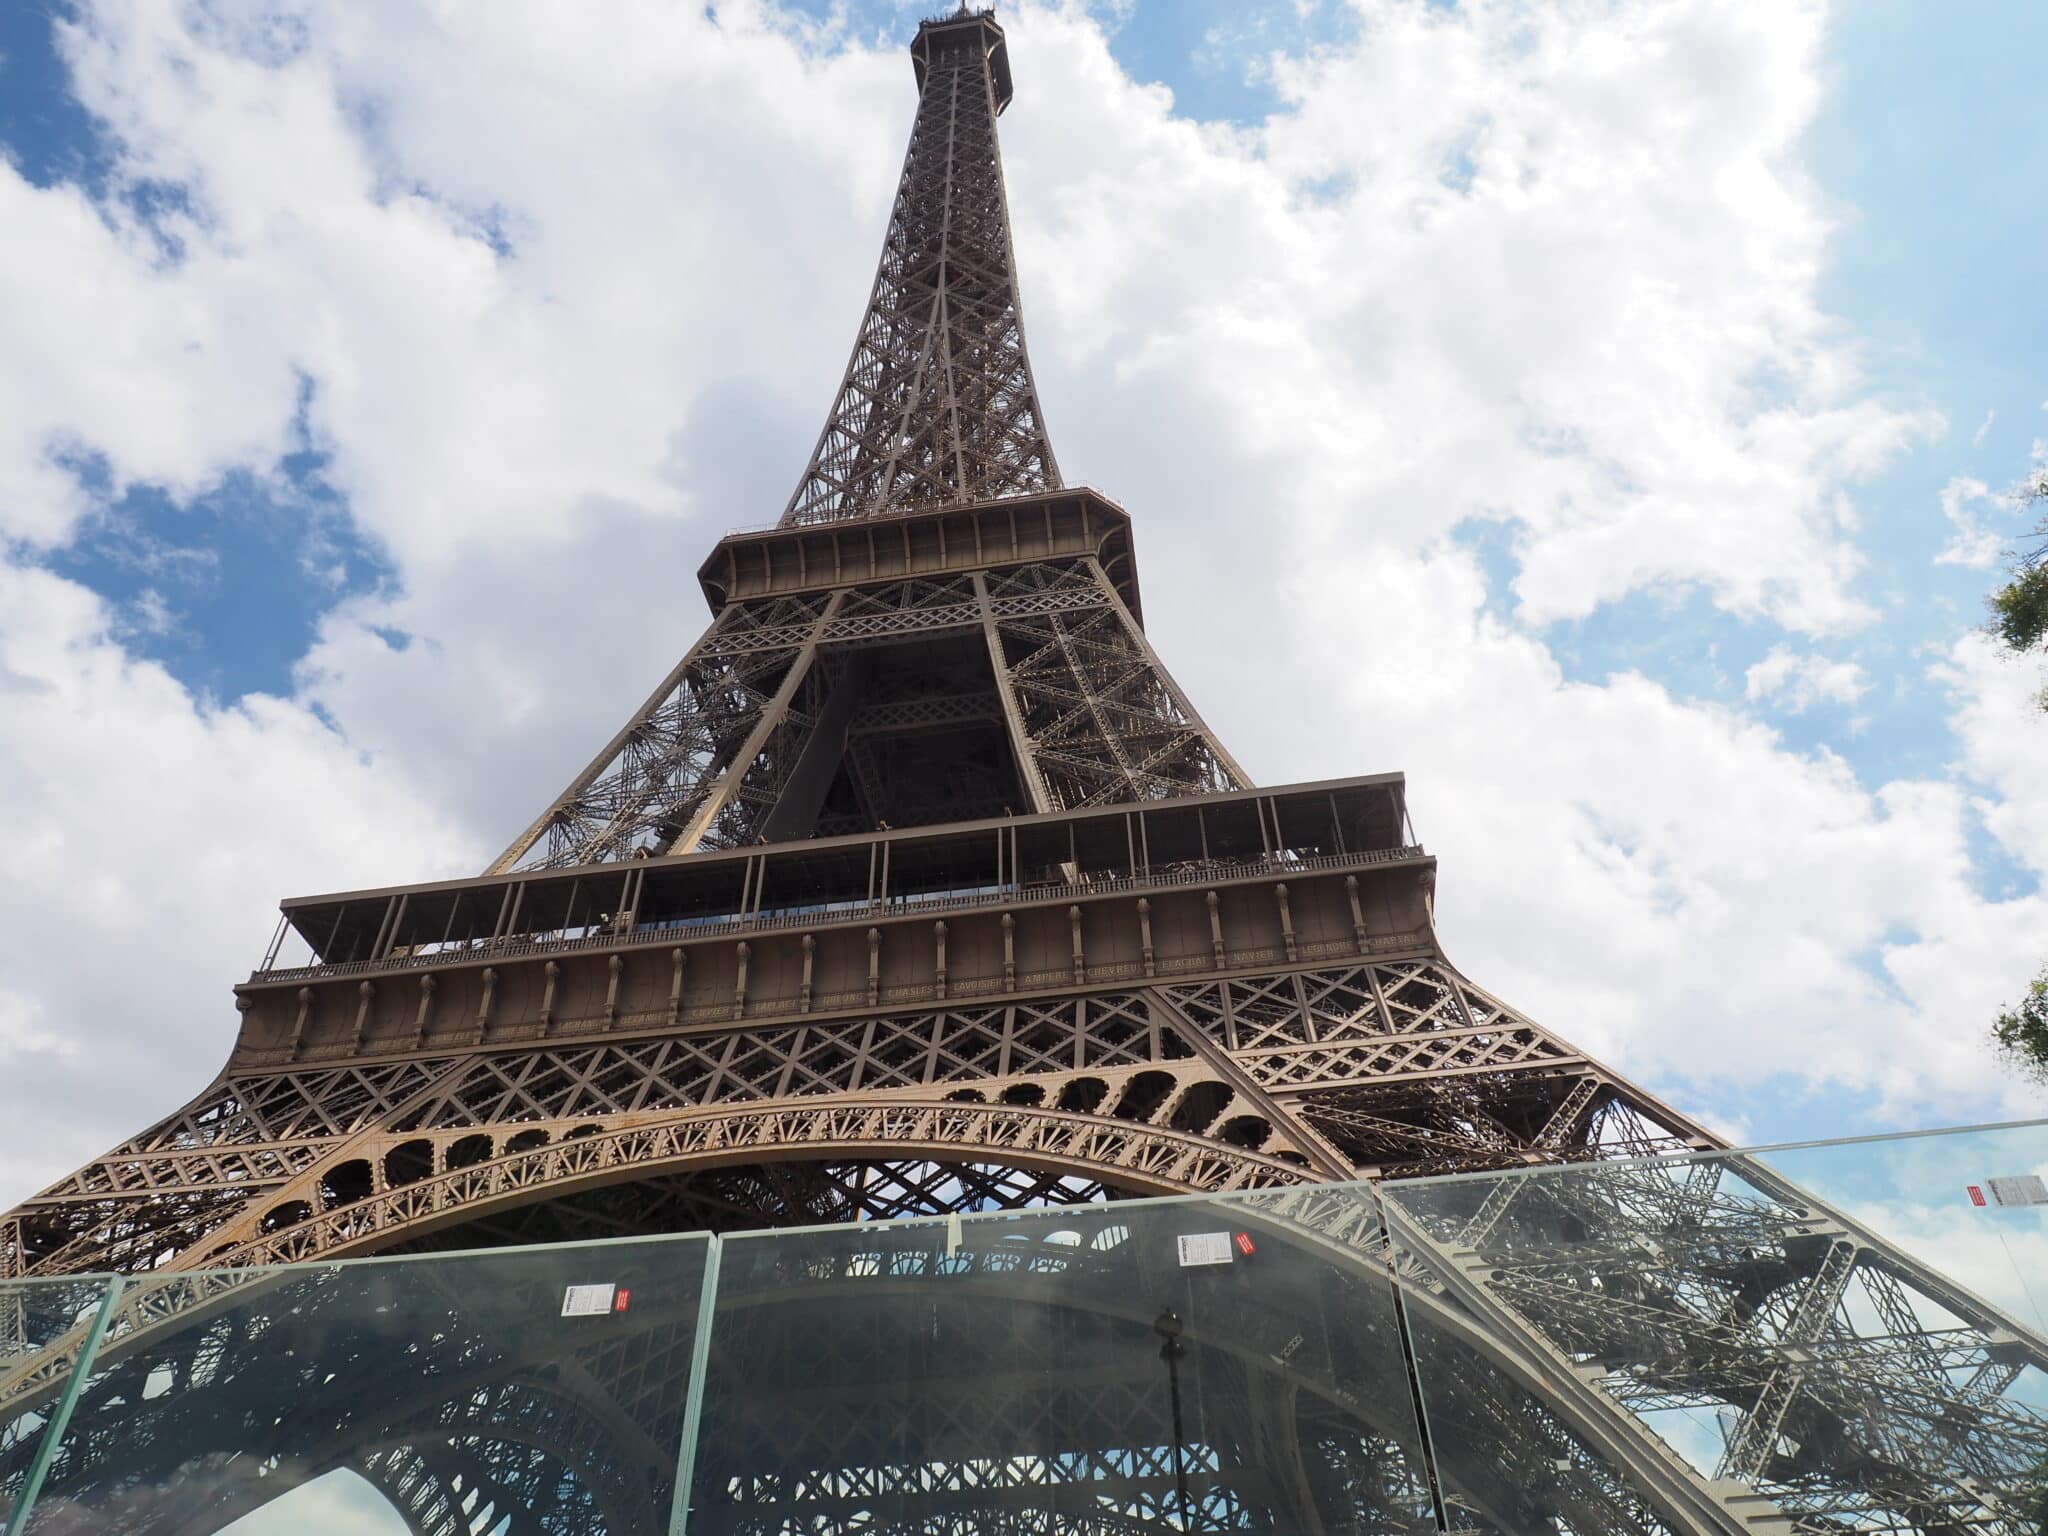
x=2019 y=609
x=2022 y=1030
x=2019 y=620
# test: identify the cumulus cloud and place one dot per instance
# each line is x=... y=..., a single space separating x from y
x=1663 y=880
x=561 y=302
x=1797 y=682
x=1495 y=263
x=148 y=831
x=2000 y=734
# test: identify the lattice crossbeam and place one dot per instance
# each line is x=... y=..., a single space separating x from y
x=937 y=404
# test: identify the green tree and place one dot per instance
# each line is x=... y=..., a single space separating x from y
x=2019 y=621
x=2019 y=609
x=2036 y=1507
x=2022 y=1030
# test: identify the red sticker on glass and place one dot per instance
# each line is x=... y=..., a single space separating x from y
x=1976 y=1194
x=619 y=1299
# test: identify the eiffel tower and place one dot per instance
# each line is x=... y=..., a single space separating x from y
x=919 y=887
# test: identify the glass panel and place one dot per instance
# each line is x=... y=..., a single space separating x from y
x=1827 y=1338
x=1842 y=1338
x=1921 y=1194
x=43 y=1325
x=535 y=1389
x=1021 y=1372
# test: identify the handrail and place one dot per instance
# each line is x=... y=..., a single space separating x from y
x=1082 y=887
x=951 y=504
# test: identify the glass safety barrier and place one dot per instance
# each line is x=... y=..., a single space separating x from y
x=530 y=1389
x=1230 y=1363
x=1832 y=1338
x=1826 y=1339
x=46 y=1326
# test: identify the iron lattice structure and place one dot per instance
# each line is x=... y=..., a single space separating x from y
x=918 y=886
x=937 y=404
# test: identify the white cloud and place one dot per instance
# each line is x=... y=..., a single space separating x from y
x=1914 y=1192
x=148 y=834
x=1558 y=342
x=151 y=613
x=1797 y=682
x=1664 y=881
x=116 y=354
x=1303 y=354
x=1971 y=543
x=1983 y=429
x=2002 y=732
x=26 y=1030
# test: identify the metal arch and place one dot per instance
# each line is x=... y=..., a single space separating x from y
x=421 y=1488
x=505 y=1430
x=1587 y=1426
x=209 y=1338
x=1136 y=1158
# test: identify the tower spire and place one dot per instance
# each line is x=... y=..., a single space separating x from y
x=937 y=404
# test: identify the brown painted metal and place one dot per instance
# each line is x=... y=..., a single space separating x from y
x=919 y=885
x=937 y=404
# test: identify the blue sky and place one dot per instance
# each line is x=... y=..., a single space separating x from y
x=1926 y=152
x=338 y=489
x=223 y=588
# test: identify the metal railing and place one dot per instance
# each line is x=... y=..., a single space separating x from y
x=1081 y=887
x=952 y=503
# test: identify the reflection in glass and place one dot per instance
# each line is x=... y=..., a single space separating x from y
x=337 y=1503
x=1775 y=1337
x=1841 y=1340
x=1005 y=1373
x=43 y=1326
x=519 y=1390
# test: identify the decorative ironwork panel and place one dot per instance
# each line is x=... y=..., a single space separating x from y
x=1102 y=720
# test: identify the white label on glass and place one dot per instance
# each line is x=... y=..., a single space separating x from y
x=1204 y=1248
x=587 y=1300
x=2018 y=1189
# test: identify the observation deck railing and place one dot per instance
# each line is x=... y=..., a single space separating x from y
x=1079 y=887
